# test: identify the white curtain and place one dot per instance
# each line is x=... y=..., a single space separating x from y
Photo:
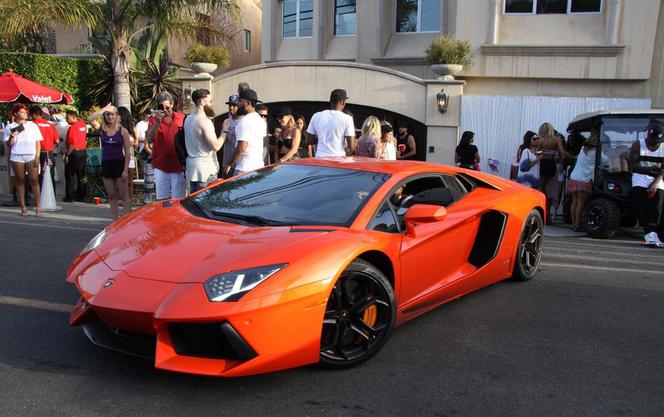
x=499 y=122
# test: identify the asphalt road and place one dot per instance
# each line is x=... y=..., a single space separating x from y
x=584 y=338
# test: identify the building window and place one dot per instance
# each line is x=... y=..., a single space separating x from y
x=418 y=15
x=246 y=41
x=298 y=18
x=345 y=19
x=553 y=6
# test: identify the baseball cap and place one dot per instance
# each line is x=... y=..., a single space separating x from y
x=249 y=94
x=283 y=111
x=338 y=95
x=656 y=132
x=234 y=99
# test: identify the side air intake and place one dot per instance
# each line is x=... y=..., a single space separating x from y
x=488 y=238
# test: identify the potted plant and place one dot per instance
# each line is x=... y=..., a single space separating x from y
x=448 y=56
x=206 y=59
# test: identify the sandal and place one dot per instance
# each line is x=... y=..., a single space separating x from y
x=25 y=213
x=576 y=228
x=39 y=213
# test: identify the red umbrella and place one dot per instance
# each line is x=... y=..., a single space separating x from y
x=14 y=88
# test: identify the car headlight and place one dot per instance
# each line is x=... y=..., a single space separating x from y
x=231 y=286
x=96 y=241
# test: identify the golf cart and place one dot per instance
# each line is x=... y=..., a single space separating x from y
x=610 y=205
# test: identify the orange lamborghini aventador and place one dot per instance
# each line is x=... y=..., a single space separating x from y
x=316 y=260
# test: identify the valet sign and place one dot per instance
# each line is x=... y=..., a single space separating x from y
x=41 y=99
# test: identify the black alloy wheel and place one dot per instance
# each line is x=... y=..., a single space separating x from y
x=359 y=316
x=529 y=251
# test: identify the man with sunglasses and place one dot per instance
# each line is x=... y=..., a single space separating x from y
x=249 y=132
x=160 y=137
x=228 y=133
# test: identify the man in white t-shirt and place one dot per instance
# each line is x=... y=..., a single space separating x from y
x=249 y=134
x=333 y=127
x=142 y=128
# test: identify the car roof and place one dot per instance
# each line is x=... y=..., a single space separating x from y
x=580 y=121
x=378 y=165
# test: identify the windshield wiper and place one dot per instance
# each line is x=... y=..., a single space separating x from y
x=257 y=220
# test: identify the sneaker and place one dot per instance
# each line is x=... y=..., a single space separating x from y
x=652 y=240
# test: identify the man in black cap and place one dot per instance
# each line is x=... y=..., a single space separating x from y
x=647 y=164
x=228 y=133
x=334 y=129
x=249 y=134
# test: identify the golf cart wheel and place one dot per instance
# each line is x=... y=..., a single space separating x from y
x=601 y=218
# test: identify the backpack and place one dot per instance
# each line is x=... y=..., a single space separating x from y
x=180 y=145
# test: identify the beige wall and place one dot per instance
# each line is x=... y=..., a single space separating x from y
x=71 y=41
x=656 y=84
x=251 y=14
x=583 y=48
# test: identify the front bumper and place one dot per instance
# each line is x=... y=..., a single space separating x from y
x=184 y=332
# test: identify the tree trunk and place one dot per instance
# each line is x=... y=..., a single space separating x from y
x=120 y=62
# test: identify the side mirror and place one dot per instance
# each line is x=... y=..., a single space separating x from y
x=423 y=213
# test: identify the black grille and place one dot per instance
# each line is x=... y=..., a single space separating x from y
x=111 y=338
x=209 y=340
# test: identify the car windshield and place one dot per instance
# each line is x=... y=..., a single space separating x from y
x=291 y=194
x=617 y=136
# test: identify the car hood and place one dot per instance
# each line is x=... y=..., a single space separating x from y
x=170 y=244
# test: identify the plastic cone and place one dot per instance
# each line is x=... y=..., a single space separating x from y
x=47 y=198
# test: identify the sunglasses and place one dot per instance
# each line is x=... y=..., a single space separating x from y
x=264 y=116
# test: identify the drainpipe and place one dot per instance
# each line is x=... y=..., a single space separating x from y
x=615 y=10
x=494 y=22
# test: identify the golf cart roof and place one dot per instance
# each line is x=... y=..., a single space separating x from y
x=585 y=121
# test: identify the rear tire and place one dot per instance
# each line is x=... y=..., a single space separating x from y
x=359 y=317
x=529 y=251
x=601 y=218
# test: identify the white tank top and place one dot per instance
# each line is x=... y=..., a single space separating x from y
x=642 y=180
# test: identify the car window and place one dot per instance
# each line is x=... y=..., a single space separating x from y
x=424 y=190
x=456 y=188
x=291 y=194
x=384 y=220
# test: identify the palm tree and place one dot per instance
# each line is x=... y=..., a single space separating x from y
x=122 y=20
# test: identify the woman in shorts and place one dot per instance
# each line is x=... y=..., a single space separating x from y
x=115 y=157
x=24 y=139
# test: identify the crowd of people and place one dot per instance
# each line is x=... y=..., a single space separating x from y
x=543 y=159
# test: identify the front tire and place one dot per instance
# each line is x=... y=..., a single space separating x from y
x=529 y=251
x=359 y=317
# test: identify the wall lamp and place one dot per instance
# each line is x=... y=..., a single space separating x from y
x=442 y=101
x=188 y=91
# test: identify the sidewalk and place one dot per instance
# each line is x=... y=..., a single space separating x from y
x=76 y=211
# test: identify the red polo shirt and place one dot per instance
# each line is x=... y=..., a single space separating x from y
x=76 y=135
x=49 y=133
x=164 y=157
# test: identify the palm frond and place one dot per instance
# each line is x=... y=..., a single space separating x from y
x=19 y=16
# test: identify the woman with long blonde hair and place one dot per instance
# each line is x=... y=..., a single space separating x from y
x=288 y=141
x=115 y=157
x=553 y=150
x=369 y=143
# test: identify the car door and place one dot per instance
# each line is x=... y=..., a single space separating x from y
x=437 y=253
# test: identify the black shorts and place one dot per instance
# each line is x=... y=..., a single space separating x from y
x=112 y=168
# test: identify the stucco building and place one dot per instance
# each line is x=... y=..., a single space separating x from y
x=534 y=61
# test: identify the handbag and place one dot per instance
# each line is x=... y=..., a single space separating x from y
x=514 y=172
x=525 y=165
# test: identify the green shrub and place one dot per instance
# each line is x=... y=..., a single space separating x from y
x=448 y=50
x=212 y=54
x=71 y=75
